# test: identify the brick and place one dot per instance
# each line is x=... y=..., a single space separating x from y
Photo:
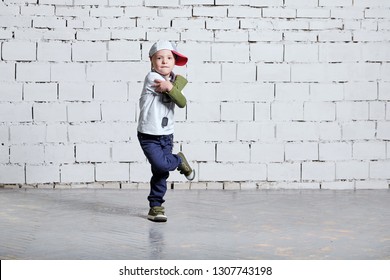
x=352 y=170
x=199 y=151
x=329 y=131
x=337 y=52
x=244 y=12
x=208 y=72
x=326 y=92
x=262 y=112
x=236 y=111
x=337 y=3
x=232 y=152
x=19 y=51
x=68 y=72
x=383 y=130
x=197 y=35
x=123 y=50
x=7 y=71
x=224 y=131
x=17 y=112
x=372 y=184
x=54 y=51
x=83 y=112
x=313 y=12
x=98 y=132
x=232 y=172
x=230 y=52
x=89 y=51
x=49 y=22
x=85 y=37
x=377 y=110
x=11 y=92
x=162 y=3
x=140 y=12
x=112 y=172
x=301 y=53
x=117 y=71
x=319 y=111
x=380 y=169
x=293 y=131
x=352 y=110
x=59 y=154
x=279 y=13
x=301 y=151
x=338 y=185
x=93 y=152
x=33 y=154
x=118 y=22
x=231 y=36
x=284 y=171
x=140 y=172
x=359 y=130
x=4 y=133
x=238 y=72
x=40 y=91
x=266 y=3
x=207 y=11
x=57 y=133
x=27 y=134
x=75 y=91
x=255 y=131
x=110 y=91
x=12 y=174
x=318 y=171
x=335 y=151
x=128 y=152
x=265 y=152
x=42 y=174
x=4 y=154
x=218 y=23
x=49 y=112
x=72 y=173
x=369 y=150
x=33 y=72
x=265 y=36
x=205 y=111
x=228 y=91
x=118 y=111
x=273 y=72
x=283 y=111
x=337 y=72
x=266 y=52
x=292 y=92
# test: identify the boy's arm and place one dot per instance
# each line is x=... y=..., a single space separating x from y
x=175 y=93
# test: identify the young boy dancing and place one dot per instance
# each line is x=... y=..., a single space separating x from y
x=162 y=90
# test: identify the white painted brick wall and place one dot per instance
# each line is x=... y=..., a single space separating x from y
x=281 y=93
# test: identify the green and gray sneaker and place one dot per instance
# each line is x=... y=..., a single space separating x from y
x=157 y=214
x=185 y=168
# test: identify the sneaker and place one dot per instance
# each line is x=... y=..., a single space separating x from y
x=185 y=168
x=157 y=214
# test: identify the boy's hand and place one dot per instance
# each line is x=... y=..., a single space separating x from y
x=162 y=86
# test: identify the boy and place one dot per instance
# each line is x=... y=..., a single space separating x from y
x=160 y=93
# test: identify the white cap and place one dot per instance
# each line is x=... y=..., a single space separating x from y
x=181 y=59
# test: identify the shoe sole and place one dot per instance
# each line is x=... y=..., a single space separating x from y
x=191 y=176
x=157 y=219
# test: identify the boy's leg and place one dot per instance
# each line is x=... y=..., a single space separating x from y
x=158 y=150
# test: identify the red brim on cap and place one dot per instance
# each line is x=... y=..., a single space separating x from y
x=181 y=60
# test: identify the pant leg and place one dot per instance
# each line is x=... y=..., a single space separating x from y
x=158 y=151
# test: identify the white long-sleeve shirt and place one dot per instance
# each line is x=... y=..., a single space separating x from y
x=155 y=106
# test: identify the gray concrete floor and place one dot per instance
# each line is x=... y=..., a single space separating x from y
x=105 y=224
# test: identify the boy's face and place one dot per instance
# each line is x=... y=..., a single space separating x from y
x=163 y=62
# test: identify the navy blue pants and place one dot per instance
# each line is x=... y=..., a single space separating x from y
x=158 y=151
